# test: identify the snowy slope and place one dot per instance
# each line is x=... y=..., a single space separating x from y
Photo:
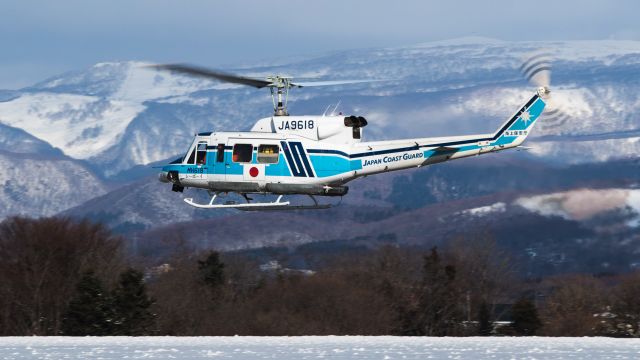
x=19 y=141
x=318 y=347
x=142 y=205
x=122 y=114
x=82 y=126
x=34 y=185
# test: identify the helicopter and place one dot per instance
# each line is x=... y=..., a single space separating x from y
x=317 y=155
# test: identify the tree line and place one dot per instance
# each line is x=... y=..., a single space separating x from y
x=63 y=277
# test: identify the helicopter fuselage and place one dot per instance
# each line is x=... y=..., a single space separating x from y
x=318 y=155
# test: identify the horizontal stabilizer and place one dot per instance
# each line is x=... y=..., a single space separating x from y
x=445 y=149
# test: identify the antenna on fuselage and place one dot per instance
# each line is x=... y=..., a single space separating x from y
x=325 y=110
x=333 y=112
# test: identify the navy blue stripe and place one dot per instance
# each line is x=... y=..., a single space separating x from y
x=371 y=153
x=296 y=157
x=299 y=150
x=287 y=155
x=307 y=165
x=322 y=151
x=382 y=152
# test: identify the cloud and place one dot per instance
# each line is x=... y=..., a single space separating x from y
x=582 y=204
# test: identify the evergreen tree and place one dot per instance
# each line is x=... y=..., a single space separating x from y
x=485 y=325
x=89 y=311
x=438 y=312
x=131 y=304
x=212 y=270
x=525 y=318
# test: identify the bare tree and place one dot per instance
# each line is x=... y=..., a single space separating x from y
x=623 y=319
x=41 y=261
x=570 y=308
x=486 y=273
x=439 y=310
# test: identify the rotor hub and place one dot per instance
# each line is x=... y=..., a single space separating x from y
x=543 y=91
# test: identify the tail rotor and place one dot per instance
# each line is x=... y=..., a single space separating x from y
x=536 y=68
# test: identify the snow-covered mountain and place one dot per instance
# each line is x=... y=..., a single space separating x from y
x=122 y=114
x=41 y=185
x=110 y=120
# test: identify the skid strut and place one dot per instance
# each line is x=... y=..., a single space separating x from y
x=258 y=206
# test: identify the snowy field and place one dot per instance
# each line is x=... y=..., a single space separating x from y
x=320 y=347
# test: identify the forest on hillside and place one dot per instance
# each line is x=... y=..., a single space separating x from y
x=67 y=277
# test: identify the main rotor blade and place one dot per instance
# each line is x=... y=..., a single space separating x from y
x=329 y=82
x=212 y=74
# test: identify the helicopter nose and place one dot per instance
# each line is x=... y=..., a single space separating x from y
x=164 y=176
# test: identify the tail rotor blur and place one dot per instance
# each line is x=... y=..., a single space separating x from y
x=536 y=68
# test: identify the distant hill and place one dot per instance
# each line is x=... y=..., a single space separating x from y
x=554 y=218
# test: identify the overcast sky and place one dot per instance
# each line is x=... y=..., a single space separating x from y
x=44 y=38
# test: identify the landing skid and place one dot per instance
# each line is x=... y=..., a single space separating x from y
x=265 y=206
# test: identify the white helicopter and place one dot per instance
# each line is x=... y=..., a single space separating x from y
x=316 y=155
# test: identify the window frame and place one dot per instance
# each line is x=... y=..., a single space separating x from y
x=220 y=153
x=198 y=151
x=268 y=156
x=233 y=153
x=190 y=157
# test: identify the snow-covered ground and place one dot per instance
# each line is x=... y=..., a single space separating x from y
x=317 y=347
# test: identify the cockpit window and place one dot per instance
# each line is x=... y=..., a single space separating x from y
x=201 y=156
x=190 y=156
x=268 y=154
x=242 y=153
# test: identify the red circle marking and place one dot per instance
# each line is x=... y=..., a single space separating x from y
x=254 y=172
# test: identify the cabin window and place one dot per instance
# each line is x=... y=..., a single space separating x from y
x=268 y=154
x=242 y=153
x=201 y=153
x=220 y=155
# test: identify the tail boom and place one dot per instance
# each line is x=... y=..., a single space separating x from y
x=397 y=155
